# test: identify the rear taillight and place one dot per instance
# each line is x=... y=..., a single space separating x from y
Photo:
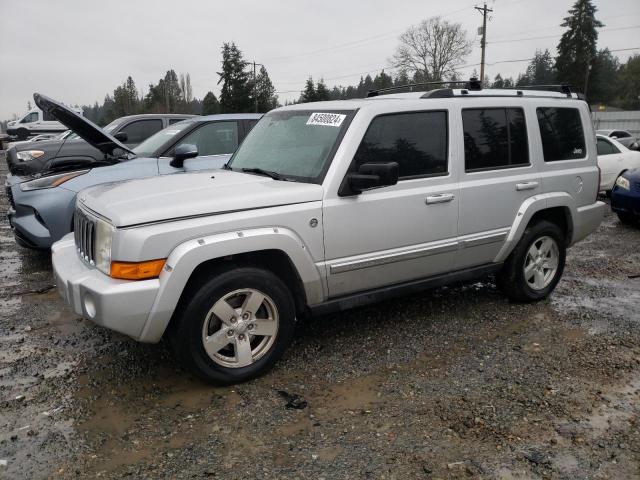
x=598 y=184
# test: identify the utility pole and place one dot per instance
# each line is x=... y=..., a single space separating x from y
x=255 y=85
x=483 y=11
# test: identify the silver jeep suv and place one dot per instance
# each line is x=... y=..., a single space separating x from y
x=331 y=205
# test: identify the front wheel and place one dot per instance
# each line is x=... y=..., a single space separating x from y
x=236 y=326
x=535 y=266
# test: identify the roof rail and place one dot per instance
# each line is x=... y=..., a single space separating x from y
x=471 y=84
x=562 y=88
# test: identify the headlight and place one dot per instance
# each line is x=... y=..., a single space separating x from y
x=104 y=237
x=623 y=183
x=27 y=155
x=50 y=181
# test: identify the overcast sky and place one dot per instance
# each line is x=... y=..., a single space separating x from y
x=77 y=50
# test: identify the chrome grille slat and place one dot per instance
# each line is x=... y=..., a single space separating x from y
x=84 y=236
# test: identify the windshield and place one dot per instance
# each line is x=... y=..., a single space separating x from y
x=150 y=146
x=293 y=143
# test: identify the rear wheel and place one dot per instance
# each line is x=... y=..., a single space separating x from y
x=236 y=326
x=535 y=266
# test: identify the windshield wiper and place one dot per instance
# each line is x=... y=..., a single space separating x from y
x=267 y=173
x=226 y=166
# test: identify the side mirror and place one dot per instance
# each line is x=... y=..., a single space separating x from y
x=634 y=146
x=368 y=176
x=183 y=152
x=121 y=136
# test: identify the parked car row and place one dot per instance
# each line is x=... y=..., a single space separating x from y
x=614 y=159
x=322 y=207
x=622 y=136
x=42 y=207
x=73 y=152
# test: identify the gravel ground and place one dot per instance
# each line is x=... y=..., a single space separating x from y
x=452 y=383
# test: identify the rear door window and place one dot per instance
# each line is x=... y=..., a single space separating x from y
x=494 y=138
x=417 y=141
x=140 y=130
x=606 y=148
x=562 y=133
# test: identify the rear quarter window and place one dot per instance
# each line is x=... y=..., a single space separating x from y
x=562 y=133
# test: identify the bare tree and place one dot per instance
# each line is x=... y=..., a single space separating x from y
x=432 y=50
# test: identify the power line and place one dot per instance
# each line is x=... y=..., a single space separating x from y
x=559 y=35
x=356 y=42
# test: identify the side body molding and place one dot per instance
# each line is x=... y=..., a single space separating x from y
x=184 y=259
x=527 y=210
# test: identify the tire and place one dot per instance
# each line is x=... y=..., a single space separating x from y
x=237 y=352
x=627 y=218
x=540 y=280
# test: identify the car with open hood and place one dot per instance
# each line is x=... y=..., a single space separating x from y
x=72 y=151
x=42 y=206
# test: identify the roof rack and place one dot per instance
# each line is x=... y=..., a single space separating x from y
x=471 y=84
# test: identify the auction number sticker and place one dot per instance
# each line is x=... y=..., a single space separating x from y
x=326 y=119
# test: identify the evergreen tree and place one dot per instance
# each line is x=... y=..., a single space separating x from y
x=382 y=80
x=540 y=71
x=210 y=104
x=577 y=47
x=322 y=92
x=498 y=82
x=629 y=84
x=172 y=91
x=309 y=93
x=235 y=95
x=604 y=78
x=264 y=92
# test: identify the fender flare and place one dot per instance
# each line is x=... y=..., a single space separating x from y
x=187 y=256
x=527 y=210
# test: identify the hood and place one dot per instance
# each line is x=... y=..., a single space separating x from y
x=86 y=129
x=185 y=195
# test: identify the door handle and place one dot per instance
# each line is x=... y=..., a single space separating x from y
x=526 y=186
x=440 y=198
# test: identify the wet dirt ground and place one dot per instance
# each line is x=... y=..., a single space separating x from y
x=452 y=383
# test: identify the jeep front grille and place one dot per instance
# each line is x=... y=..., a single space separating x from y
x=84 y=230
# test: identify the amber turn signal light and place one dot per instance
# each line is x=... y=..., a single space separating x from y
x=137 y=270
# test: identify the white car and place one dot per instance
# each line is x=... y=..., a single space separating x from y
x=622 y=136
x=36 y=122
x=614 y=159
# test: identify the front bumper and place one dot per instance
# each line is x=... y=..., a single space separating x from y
x=39 y=217
x=118 y=305
x=625 y=201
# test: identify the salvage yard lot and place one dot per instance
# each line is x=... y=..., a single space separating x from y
x=456 y=382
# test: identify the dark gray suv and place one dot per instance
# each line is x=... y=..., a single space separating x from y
x=56 y=155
